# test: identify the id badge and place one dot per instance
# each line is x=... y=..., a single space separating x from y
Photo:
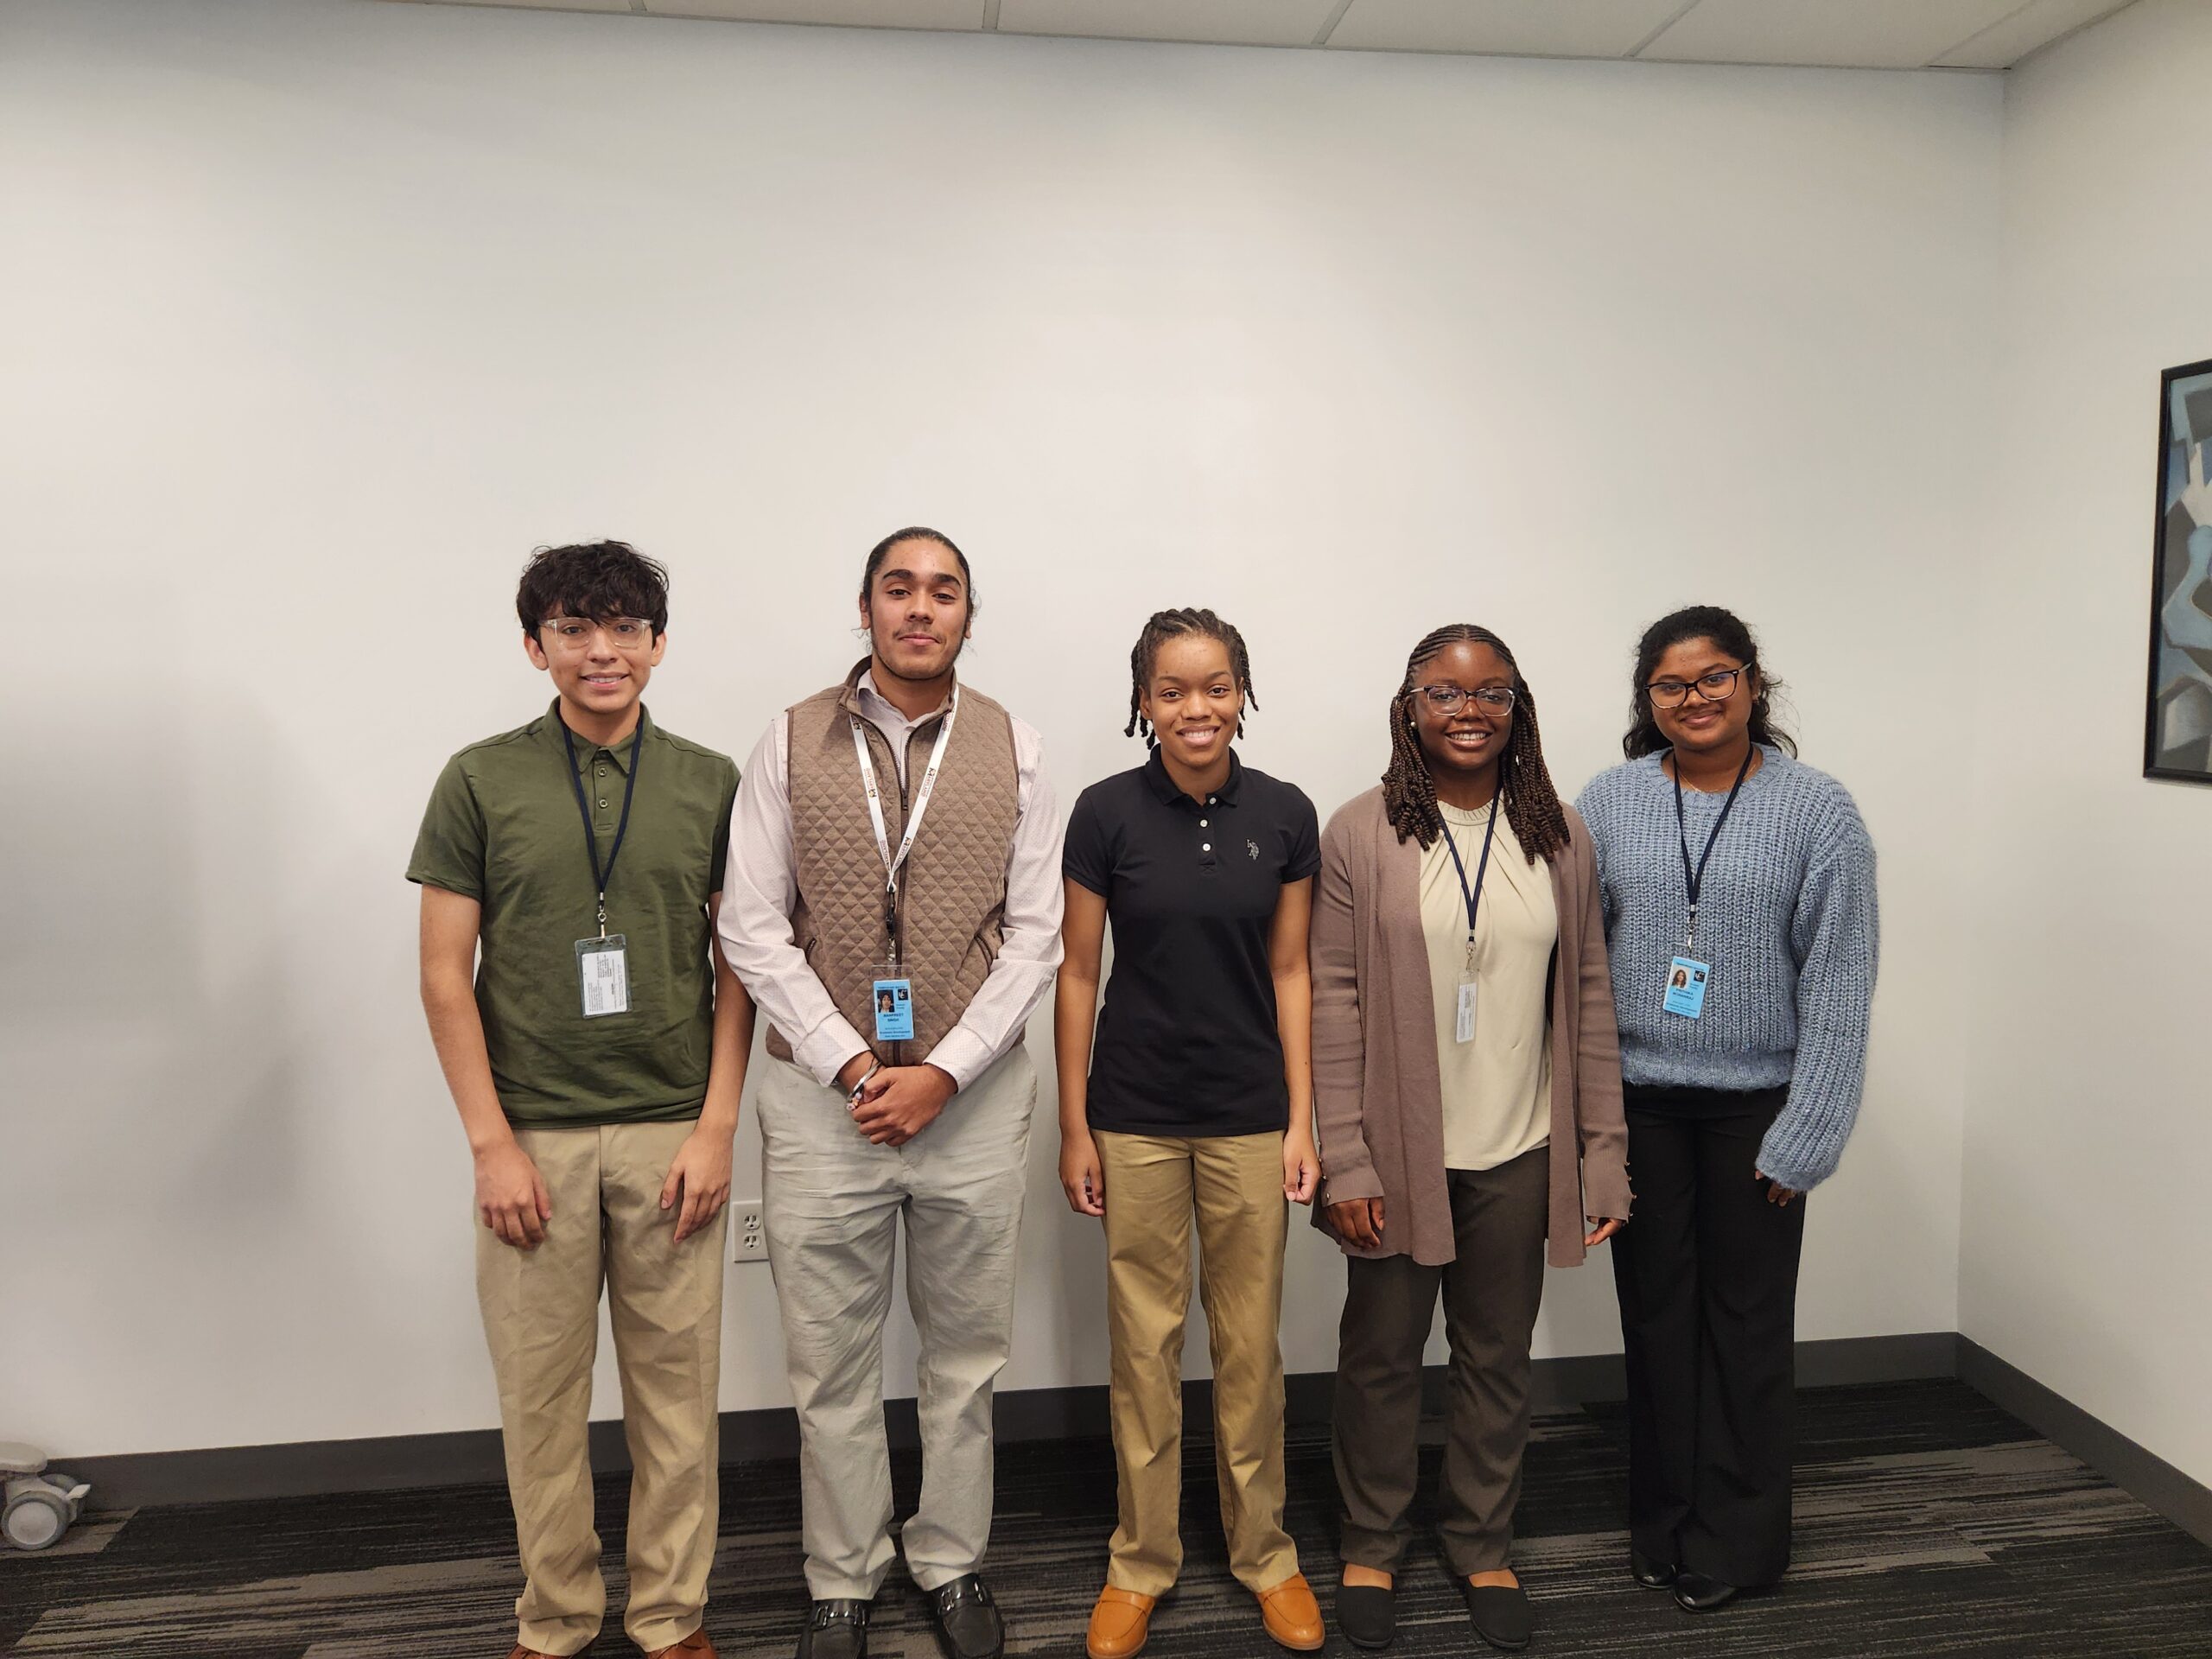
x=603 y=969
x=1463 y=1030
x=1686 y=983
x=893 y=994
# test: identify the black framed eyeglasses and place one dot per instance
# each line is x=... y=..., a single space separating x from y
x=1448 y=699
x=1717 y=687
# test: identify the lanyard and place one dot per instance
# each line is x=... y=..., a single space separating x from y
x=1693 y=879
x=1473 y=895
x=601 y=877
x=894 y=862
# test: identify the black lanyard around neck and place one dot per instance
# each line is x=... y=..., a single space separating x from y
x=600 y=876
x=1473 y=895
x=1693 y=879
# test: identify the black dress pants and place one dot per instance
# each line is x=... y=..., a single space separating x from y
x=1707 y=1279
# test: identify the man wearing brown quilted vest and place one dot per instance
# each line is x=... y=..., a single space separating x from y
x=893 y=902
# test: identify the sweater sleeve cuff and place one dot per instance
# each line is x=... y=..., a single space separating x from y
x=1789 y=1166
x=1351 y=1184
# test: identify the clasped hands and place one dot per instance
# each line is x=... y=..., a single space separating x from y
x=896 y=1103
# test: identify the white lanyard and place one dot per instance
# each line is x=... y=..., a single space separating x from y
x=892 y=863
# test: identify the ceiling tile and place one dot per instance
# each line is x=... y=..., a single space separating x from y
x=1855 y=33
x=1564 y=28
x=548 y=5
x=869 y=14
x=2035 y=24
x=1243 y=23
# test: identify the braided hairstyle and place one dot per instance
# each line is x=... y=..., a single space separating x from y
x=1158 y=629
x=1530 y=803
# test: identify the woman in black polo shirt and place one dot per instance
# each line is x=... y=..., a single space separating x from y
x=1196 y=1098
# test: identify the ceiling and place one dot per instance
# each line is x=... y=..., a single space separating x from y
x=1839 y=34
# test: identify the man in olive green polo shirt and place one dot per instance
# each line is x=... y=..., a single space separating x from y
x=595 y=1045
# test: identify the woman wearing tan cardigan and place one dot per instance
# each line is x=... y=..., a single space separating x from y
x=1467 y=1093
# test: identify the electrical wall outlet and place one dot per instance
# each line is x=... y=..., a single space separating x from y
x=748 y=1235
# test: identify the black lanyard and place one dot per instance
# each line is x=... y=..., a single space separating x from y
x=601 y=877
x=1693 y=879
x=1473 y=895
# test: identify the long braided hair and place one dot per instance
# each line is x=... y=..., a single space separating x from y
x=1158 y=629
x=1530 y=803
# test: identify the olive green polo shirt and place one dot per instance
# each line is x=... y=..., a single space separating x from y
x=503 y=828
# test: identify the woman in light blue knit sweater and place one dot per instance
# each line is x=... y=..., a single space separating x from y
x=1737 y=887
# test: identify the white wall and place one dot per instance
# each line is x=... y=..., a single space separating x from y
x=319 y=316
x=2089 y=1140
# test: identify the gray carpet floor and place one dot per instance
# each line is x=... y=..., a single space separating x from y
x=1929 y=1523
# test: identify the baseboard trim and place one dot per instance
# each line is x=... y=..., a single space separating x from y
x=2135 y=1468
x=316 y=1468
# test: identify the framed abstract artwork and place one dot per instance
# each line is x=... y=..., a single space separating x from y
x=2178 y=733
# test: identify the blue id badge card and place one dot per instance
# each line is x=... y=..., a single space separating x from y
x=1686 y=983
x=893 y=994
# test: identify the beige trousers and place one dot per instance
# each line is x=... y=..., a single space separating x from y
x=836 y=1206
x=1234 y=1183
x=541 y=1318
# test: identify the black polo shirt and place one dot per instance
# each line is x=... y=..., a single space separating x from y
x=1186 y=1043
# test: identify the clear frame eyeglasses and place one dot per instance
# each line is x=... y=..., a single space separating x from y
x=1717 y=687
x=1448 y=699
x=573 y=633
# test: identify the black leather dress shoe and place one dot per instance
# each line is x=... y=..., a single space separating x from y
x=1652 y=1575
x=1500 y=1613
x=1696 y=1593
x=968 y=1622
x=834 y=1630
x=1368 y=1614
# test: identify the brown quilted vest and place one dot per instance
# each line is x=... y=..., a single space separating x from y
x=952 y=891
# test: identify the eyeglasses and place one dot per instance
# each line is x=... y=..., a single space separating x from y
x=1716 y=687
x=1448 y=699
x=623 y=632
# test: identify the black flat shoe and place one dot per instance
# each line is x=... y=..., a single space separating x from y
x=1368 y=1614
x=834 y=1630
x=966 y=1619
x=1652 y=1575
x=1696 y=1593
x=1500 y=1614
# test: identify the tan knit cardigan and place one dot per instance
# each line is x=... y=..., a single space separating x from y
x=1378 y=1096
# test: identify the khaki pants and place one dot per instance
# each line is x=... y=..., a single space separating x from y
x=541 y=1318
x=1235 y=1183
x=835 y=1204
x=1492 y=1289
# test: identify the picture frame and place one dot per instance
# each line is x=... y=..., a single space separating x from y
x=2177 y=718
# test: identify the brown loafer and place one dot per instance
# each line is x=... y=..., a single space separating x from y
x=697 y=1645
x=521 y=1652
x=1119 y=1623
x=1291 y=1615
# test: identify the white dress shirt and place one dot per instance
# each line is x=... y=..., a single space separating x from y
x=760 y=890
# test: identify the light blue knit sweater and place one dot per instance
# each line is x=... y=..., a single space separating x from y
x=1787 y=921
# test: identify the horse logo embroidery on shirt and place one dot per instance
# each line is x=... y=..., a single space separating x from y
x=1252 y=849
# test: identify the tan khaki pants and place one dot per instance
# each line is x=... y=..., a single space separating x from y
x=541 y=1318
x=1153 y=1183
x=835 y=1205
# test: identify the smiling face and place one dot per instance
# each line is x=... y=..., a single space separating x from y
x=1468 y=739
x=1699 y=725
x=916 y=610
x=1192 y=700
x=595 y=668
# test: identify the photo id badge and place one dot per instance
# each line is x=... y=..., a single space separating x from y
x=894 y=1005
x=603 y=967
x=1462 y=1030
x=1686 y=983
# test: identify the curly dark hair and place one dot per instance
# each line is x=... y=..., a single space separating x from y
x=1158 y=629
x=1726 y=630
x=1530 y=803
x=597 y=580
